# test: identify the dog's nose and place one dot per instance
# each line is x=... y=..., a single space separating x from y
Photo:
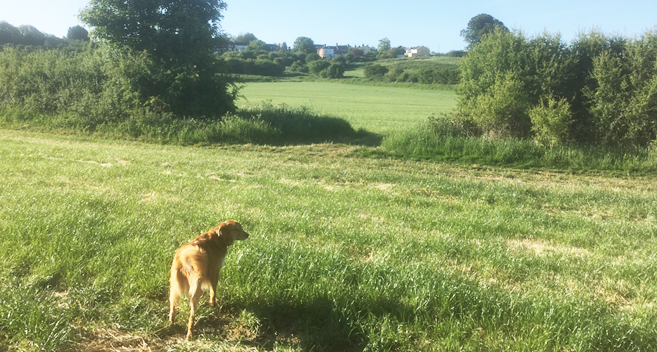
x=247 y=235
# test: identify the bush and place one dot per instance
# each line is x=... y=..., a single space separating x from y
x=456 y=53
x=438 y=75
x=374 y=70
x=597 y=91
x=260 y=67
x=267 y=68
x=394 y=73
x=551 y=121
x=316 y=67
x=334 y=71
x=312 y=57
x=623 y=105
x=503 y=111
x=299 y=67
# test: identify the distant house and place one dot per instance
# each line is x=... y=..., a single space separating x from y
x=341 y=49
x=418 y=51
x=273 y=47
x=364 y=48
x=326 y=52
x=237 y=47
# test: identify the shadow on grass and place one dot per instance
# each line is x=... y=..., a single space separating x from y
x=313 y=326
x=284 y=125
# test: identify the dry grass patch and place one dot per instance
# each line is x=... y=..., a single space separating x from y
x=542 y=248
x=112 y=340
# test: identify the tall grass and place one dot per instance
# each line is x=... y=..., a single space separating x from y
x=426 y=141
x=259 y=124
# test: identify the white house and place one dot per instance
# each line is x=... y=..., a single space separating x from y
x=418 y=51
x=326 y=52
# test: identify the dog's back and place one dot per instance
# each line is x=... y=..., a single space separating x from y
x=197 y=262
x=196 y=266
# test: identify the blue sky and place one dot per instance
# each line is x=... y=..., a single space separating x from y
x=435 y=24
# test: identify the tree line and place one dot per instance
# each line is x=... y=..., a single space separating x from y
x=29 y=35
x=258 y=59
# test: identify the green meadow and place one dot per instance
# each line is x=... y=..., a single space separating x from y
x=346 y=253
x=378 y=109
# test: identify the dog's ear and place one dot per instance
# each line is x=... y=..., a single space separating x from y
x=214 y=234
x=225 y=233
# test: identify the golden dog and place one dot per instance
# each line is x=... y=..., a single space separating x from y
x=196 y=266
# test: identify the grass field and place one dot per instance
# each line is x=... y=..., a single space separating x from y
x=410 y=65
x=375 y=108
x=346 y=253
x=415 y=64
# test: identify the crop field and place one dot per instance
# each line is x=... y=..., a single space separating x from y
x=415 y=64
x=378 y=109
x=408 y=65
x=346 y=253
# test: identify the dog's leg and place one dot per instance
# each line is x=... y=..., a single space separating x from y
x=213 y=288
x=178 y=285
x=194 y=296
x=174 y=296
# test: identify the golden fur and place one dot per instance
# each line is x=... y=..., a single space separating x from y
x=196 y=266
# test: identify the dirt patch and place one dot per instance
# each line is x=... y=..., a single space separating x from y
x=105 y=340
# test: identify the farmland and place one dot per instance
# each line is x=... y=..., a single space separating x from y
x=345 y=253
x=379 y=109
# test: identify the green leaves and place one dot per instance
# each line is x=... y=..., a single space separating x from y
x=178 y=39
x=599 y=90
x=480 y=26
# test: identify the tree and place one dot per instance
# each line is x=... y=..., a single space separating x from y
x=384 y=45
x=312 y=57
x=9 y=34
x=77 y=33
x=172 y=43
x=256 y=46
x=395 y=52
x=284 y=47
x=374 y=70
x=335 y=70
x=456 y=53
x=304 y=45
x=318 y=66
x=178 y=30
x=31 y=35
x=356 y=52
x=245 y=39
x=383 y=48
x=478 y=27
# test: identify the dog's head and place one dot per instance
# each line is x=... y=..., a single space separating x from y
x=231 y=231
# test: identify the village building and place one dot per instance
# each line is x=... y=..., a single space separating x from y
x=325 y=51
x=418 y=51
x=364 y=48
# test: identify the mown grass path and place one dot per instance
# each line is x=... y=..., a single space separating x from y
x=345 y=253
x=378 y=109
